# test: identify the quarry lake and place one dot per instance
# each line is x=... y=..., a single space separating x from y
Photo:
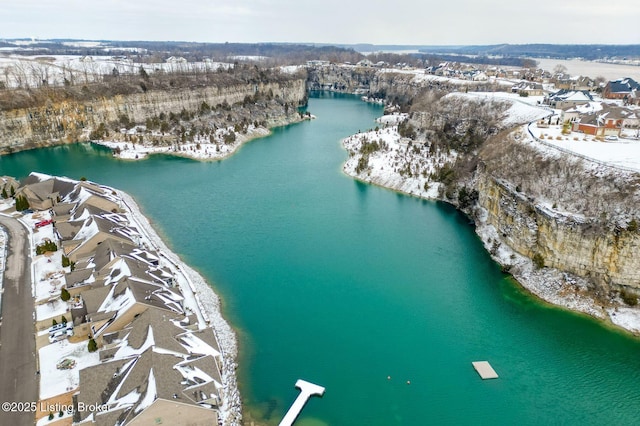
x=344 y=284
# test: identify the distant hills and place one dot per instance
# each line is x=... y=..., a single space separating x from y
x=554 y=51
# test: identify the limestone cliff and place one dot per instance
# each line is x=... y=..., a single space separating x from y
x=63 y=121
x=565 y=227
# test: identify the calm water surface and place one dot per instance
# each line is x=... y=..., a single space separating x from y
x=344 y=284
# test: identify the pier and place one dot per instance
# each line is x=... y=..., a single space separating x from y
x=307 y=390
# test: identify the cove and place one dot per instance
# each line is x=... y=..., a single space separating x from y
x=344 y=284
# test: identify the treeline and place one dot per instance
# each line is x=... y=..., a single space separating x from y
x=125 y=84
x=556 y=51
x=159 y=51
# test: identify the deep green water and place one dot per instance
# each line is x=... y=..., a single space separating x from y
x=344 y=284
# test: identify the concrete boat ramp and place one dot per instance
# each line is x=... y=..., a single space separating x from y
x=307 y=390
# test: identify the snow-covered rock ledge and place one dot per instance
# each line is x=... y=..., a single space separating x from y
x=382 y=157
x=218 y=147
x=209 y=303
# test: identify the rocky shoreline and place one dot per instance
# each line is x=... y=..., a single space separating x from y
x=559 y=288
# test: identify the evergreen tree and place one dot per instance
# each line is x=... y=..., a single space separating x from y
x=65 y=296
x=4 y=192
x=63 y=319
x=54 y=322
x=21 y=203
x=92 y=346
x=13 y=191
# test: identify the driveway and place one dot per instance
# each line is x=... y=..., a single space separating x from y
x=18 y=380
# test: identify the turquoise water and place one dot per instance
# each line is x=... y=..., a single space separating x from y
x=344 y=284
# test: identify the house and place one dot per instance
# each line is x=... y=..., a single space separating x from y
x=528 y=87
x=8 y=185
x=567 y=98
x=606 y=122
x=364 y=63
x=87 y=193
x=480 y=76
x=621 y=88
x=95 y=230
x=154 y=371
x=44 y=194
x=176 y=60
x=111 y=307
x=575 y=83
x=572 y=113
x=317 y=63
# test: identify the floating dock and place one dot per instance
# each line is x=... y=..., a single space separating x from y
x=485 y=370
x=307 y=390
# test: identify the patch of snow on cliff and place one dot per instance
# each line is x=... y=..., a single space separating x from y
x=628 y=318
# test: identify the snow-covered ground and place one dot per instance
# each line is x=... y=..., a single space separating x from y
x=522 y=110
x=55 y=381
x=421 y=77
x=3 y=259
x=198 y=149
x=16 y=70
x=624 y=153
x=387 y=165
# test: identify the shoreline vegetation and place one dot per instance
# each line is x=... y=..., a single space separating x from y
x=197 y=150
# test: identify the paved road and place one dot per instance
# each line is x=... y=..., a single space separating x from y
x=18 y=381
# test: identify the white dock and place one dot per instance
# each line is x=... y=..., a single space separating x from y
x=307 y=390
x=485 y=370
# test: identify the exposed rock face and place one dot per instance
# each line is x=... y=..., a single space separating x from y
x=340 y=78
x=608 y=257
x=69 y=121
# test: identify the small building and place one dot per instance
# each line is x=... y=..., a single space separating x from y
x=572 y=113
x=567 y=98
x=44 y=194
x=528 y=87
x=176 y=60
x=607 y=122
x=621 y=88
x=8 y=185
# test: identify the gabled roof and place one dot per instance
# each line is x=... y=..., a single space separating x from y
x=623 y=85
x=608 y=112
x=109 y=250
x=565 y=95
x=147 y=361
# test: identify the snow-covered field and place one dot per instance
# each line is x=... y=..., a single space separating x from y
x=624 y=153
x=55 y=381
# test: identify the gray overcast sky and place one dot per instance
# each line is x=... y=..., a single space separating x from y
x=328 y=21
